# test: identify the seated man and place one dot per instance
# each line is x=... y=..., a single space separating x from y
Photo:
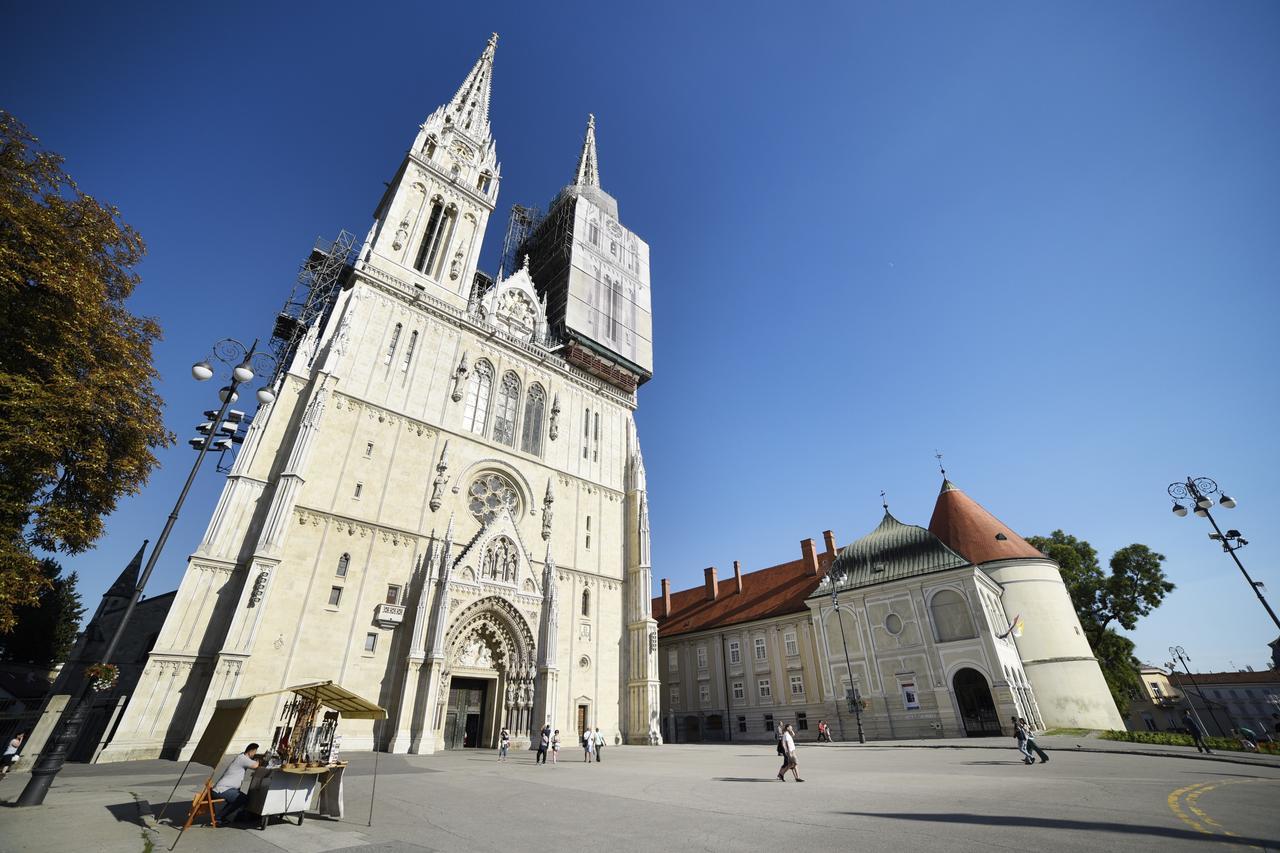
x=228 y=785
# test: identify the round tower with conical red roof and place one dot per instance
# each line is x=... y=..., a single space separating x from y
x=1058 y=661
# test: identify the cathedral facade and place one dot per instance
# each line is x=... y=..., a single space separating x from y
x=444 y=509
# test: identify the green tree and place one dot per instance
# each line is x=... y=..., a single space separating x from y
x=1135 y=585
x=80 y=418
x=46 y=631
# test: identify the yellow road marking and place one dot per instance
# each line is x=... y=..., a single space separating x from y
x=1191 y=793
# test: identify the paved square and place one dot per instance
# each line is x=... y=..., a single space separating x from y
x=704 y=797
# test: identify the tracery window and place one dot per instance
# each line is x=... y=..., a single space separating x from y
x=586 y=602
x=435 y=238
x=395 y=340
x=488 y=494
x=950 y=615
x=531 y=433
x=475 y=412
x=344 y=562
x=501 y=561
x=408 y=352
x=504 y=422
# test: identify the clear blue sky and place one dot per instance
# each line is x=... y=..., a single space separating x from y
x=1042 y=238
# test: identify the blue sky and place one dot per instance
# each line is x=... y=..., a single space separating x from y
x=1038 y=237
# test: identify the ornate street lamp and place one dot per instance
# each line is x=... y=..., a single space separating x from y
x=247 y=362
x=1180 y=654
x=854 y=697
x=1198 y=492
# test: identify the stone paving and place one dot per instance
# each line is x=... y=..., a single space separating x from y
x=929 y=795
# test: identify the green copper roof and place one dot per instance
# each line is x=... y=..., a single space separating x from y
x=891 y=552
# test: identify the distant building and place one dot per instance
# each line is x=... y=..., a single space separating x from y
x=926 y=638
x=1240 y=700
x=1158 y=704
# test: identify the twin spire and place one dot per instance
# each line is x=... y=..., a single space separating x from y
x=469 y=111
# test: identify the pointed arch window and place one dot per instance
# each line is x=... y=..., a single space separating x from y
x=485 y=181
x=504 y=421
x=395 y=341
x=534 y=407
x=586 y=602
x=435 y=238
x=475 y=412
x=344 y=563
x=429 y=147
x=408 y=352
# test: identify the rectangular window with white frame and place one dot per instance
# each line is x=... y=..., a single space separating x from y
x=704 y=694
x=735 y=652
x=797 y=685
x=702 y=657
x=370 y=643
x=739 y=691
x=766 y=688
x=789 y=641
x=674 y=695
x=335 y=596
x=673 y=660
x=761 y=652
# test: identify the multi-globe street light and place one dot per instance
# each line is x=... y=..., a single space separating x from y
x=247 y=363
x=1179 y=654
x=1199 y=492
x=855 y=699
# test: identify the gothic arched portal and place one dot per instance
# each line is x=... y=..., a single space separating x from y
x=488 y=676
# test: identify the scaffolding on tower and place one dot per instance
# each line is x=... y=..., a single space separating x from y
x=320 y=278
x=520 y=224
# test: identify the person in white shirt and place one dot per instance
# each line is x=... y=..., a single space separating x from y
x=588 y=744
x=789 y=755
x=228 y=785
x=11 y=752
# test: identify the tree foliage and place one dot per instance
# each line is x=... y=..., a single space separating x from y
x=1134 y=586
x=80 y=418
x=46 y=631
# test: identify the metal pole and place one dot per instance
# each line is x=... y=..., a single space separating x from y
x=728 y=711
x=50 y=761
x=857 y=699
x=1178 y=653
x=1232 y=551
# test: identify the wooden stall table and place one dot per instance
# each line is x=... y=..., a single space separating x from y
x=283 y=791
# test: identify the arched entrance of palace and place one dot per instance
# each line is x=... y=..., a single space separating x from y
x=490 y=671
x=977 y=708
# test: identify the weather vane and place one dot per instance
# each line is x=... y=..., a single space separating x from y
x=884 y=502
x=937 y=454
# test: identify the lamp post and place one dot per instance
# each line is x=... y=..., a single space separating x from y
x=1199 y=492
x=228 y=351
x=855 y=699
x=1180 y=654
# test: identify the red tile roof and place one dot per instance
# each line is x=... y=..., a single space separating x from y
x=775 y=591
x=974 y=533
x=1206 y=679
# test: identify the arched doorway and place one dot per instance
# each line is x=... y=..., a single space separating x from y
x=977 y=708
x=490 y=675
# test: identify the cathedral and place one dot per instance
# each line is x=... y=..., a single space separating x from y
x=444 y=509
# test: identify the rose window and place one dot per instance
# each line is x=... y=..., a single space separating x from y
x=489 y=494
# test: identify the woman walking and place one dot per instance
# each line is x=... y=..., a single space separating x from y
x=555 y=747
x=1031 y=744
x=588 y=745
x=788 y=745
x=504 y=744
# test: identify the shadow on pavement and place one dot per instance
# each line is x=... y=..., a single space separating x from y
x=739 y=779
x=1012 y=761
x=1057 y=823
x=130 y=812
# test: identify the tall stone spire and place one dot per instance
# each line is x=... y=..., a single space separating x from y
x=588 y=166
x=127 y=583
x=469 y=108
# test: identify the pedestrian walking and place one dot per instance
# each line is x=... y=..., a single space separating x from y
x=11 y=752
x=1197 y=734
x=1020 y=737
x=599 y=744
x=777 y=739
x=544 y=741
x=555 y=748
x=788 y=744
x=1031 y=743
x=504 y=744
x=588 y=745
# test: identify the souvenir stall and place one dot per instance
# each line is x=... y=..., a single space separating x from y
x=300 y=769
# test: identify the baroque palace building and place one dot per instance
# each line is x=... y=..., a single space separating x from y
x=444 y=509
x=923 y=638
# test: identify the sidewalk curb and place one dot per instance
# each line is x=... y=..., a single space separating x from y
x=1217 y=756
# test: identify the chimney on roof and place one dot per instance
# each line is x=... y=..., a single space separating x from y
x=830 y=539
x=712 y=587
x=666 y=598
x=737 y=576
x=809 y=553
